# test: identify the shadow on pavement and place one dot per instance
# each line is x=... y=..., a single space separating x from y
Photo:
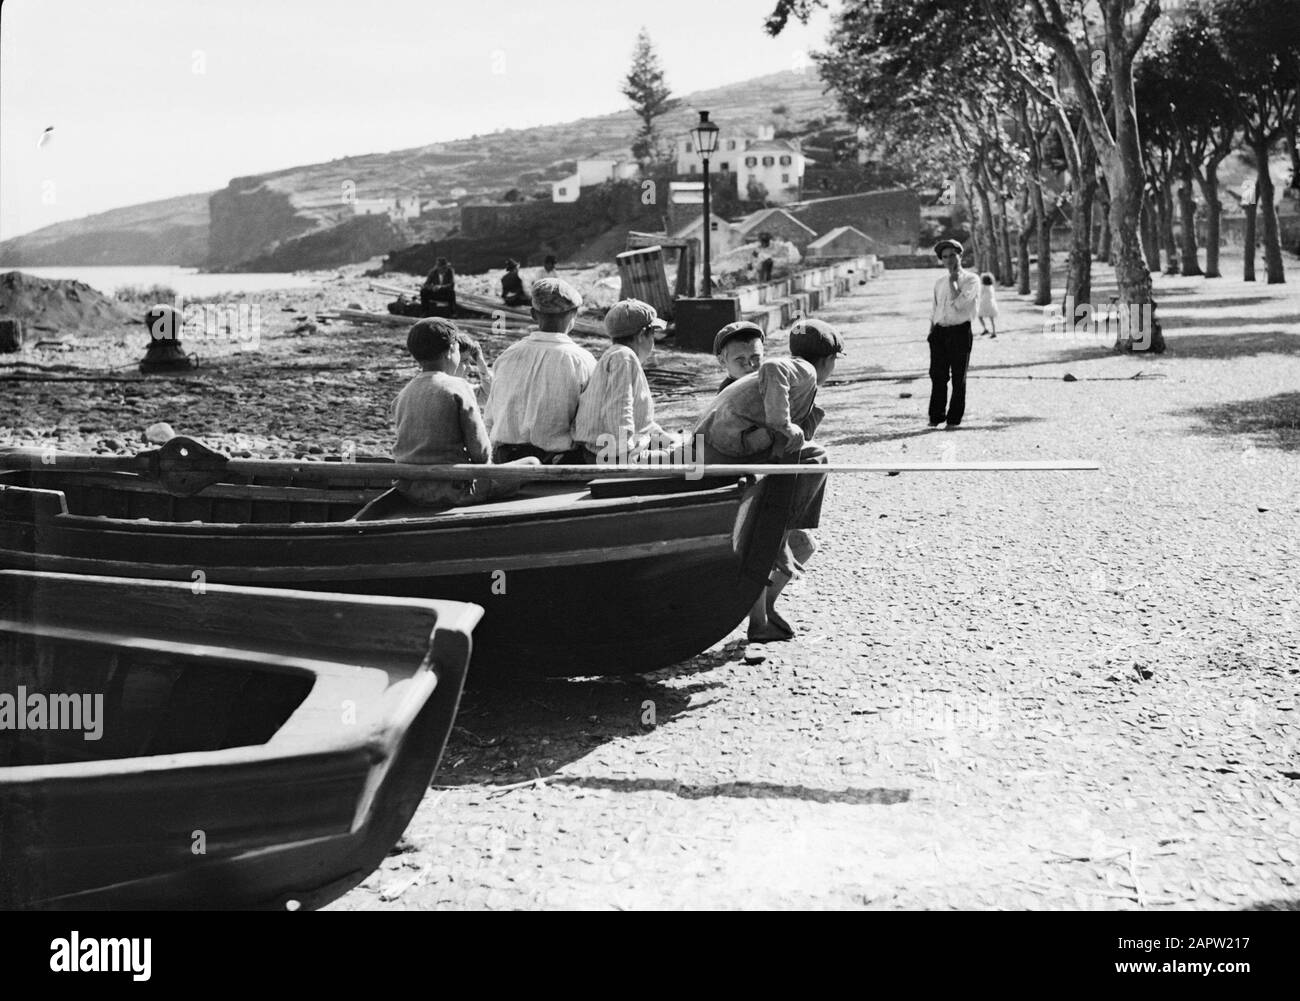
x=991 y=424
x=1275 y=419
x=1193 y=299
x=535 y=726
x=746 y=790
x=1241 y=345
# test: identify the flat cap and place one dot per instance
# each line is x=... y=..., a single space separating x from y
x=629 y=317
x=431 y=337
x=943 y=245
x=815 y=339
x=555 y=295
x=740 y=330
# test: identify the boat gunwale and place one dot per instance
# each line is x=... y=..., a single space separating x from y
x=395 y=705
x=436 y=521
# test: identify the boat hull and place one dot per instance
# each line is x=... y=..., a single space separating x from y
x=604 y=586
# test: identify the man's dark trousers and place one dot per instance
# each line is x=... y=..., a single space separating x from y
x=949 y=356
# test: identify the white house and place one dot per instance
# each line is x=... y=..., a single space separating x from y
x=374 y=206
x=597 y=171
x=590 y=173
x=777 y=165
x=731 y=145
x=566 y=189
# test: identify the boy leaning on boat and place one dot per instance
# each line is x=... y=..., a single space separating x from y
x=616 y=413
x=438 y=422
x=770 y=416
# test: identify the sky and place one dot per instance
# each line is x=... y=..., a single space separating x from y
x=155 y=98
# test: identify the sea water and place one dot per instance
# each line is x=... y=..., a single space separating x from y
x=187 y=282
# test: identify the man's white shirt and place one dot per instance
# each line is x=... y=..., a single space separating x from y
x=949 y=309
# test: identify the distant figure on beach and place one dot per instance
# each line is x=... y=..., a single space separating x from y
x=766 y=263
x=950 y=336
x=438 y=293
x=538 y=381
x=769 y=416
x=987 y=310
x=438 y=422
x=616 y=413
x=548 y=267
x=739 y=349
x=512 y=286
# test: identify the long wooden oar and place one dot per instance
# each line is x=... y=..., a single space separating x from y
x=185 y=466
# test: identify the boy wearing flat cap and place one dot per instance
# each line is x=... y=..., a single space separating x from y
x=538 y=381
x=768 y=416
x=951 y=339
x=739 y=349
x=616 y=413
x=438 y=422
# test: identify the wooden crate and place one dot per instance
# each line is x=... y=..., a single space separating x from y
x=644 y=278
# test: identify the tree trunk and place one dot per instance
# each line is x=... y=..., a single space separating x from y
x=1078 y=275
x=1149 y=241
x=1187 y=213
x=1248 y=267
x=1022 y=241
x=1125 y=176
x=1209 y=183
x=1167 y=228
x=987 y=241
x=1008 y=275
x=1103 y=196
x=1272 y=238
x=1131 y=272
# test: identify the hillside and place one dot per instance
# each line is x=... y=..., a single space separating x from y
x=170 y=231
x=265 y=213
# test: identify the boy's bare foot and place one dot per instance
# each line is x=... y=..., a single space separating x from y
x=768 y=634
x=775 y=619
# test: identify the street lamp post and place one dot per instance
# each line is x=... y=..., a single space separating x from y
x=706 y=141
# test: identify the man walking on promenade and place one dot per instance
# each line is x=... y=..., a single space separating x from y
x=950 y=338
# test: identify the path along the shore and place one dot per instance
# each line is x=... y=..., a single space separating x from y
x=1041 y=690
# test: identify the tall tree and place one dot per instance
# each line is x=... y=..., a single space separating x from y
x=926 y=84
x=1261 y=40
x=1123 y=31
x=645 y=88
x=1203 y=115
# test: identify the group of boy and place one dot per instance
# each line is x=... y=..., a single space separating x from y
x=551 y=401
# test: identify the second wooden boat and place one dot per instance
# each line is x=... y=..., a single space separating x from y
x=169 y=745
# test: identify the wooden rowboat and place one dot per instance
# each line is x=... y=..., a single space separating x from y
x=256 y=748
x=609 y=578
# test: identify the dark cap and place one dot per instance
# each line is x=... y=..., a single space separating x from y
x=811 y=339
x=555 y=295
x=741 y=330
x=431 y=338
x=943 y=245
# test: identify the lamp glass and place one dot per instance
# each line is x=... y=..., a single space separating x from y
x=706 y=135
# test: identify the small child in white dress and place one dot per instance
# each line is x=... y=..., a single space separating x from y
x=987 y=308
